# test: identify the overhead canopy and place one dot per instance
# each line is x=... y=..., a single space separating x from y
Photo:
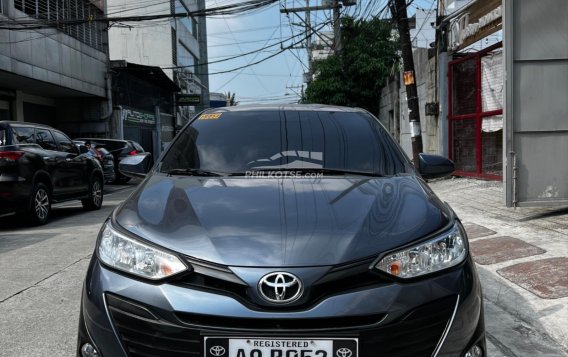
x=151 y=74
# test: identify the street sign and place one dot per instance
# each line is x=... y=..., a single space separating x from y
x=187 y=99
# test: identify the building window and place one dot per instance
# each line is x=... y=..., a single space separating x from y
x=89 y=33
x=190 y=22
x=194 y=27
x=186 y=58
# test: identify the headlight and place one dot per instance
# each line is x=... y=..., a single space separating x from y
x=442 y=252
x=131 y=256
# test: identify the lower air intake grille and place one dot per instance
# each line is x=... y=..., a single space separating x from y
x=145 y=335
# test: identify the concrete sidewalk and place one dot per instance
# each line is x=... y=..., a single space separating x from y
x=522 y=259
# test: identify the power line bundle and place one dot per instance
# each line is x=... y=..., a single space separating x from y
x=225 y=10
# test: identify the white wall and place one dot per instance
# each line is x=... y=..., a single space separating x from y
x=424 y=33
x=148 y=43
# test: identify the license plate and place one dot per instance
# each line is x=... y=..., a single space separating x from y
x=280 y=347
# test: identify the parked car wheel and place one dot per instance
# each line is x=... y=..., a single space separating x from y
x=95 y=200
x=40 y=204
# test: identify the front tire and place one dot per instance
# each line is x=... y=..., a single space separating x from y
x=40 y=204
x=95 y=200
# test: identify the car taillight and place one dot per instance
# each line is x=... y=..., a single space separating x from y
x=133 y=152
x=11 y=155
x=100 y=156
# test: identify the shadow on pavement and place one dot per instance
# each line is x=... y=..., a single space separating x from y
x=512 y=325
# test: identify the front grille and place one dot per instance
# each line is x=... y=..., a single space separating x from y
x=416 y=335
x=220 y=279
x=145 y=334
x=149 y=336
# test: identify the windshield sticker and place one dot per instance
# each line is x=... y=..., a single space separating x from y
x=210 y=116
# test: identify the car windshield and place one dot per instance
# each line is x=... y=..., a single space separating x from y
x=250 y=140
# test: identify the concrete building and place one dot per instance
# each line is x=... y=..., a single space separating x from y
x=322 y=45
x=143 y=105
x=393 y=111
x=423 y=33
x=218 y=100
x=177 y=45
x=55 y=76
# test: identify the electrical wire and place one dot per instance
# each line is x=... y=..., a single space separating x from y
x=259 y=61
x=244 y=7
x=242 y=54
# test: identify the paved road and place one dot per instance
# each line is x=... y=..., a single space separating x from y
x=41 y=272
x=42 y=269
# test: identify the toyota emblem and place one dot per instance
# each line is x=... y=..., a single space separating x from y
x=280 y=287
x=217 y=351
x=343 y=352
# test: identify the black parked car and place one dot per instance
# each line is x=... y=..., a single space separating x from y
x=106 y=159
x=119 y=150
x=284 y=231
x=39 y=166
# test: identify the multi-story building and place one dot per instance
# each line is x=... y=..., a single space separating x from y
x=54 y=75
x=178 y=45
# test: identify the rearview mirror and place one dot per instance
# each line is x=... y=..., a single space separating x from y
x=435 y=166
x=135 y=165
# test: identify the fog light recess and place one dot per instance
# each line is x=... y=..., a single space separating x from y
x=475 y=351
x=89 y=351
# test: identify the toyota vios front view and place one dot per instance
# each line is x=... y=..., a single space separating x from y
x=283 y=231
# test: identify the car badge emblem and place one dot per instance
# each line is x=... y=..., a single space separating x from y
x=343 y=352
x=280 y=287
x=217 y=351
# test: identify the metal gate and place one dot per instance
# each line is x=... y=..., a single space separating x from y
x=536 y=110
x=475 y=113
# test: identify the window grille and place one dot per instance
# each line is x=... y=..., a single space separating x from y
x=174 y=47
x=89 y=33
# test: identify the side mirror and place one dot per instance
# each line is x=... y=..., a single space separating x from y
x=82 y=148
x=435 y=166
x=136 y=165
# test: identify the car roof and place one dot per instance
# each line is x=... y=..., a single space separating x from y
x=102 y=139
x=289 y=107
x=25 y=123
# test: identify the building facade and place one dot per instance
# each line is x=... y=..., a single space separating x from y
x=54 y=75
x=178 y=45
x=459 y=78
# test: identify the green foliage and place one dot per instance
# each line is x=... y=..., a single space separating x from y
x=231 y=99
x=355 y=76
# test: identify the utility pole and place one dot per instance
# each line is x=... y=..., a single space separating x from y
x=399 y=13
x=443 y=60
x=309 y=41
x=336 y=26
x=334 y=5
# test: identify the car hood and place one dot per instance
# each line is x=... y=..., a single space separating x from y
x=282 y=222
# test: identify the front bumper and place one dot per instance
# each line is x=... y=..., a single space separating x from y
x=123 y=317
x=108 y=171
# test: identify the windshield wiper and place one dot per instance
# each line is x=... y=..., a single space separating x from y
x=192 y=172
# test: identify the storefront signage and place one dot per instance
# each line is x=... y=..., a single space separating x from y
x=183 y=99
x=132 y=116
x=461 y=30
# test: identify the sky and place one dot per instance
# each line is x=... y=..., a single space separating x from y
x=280 y=78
